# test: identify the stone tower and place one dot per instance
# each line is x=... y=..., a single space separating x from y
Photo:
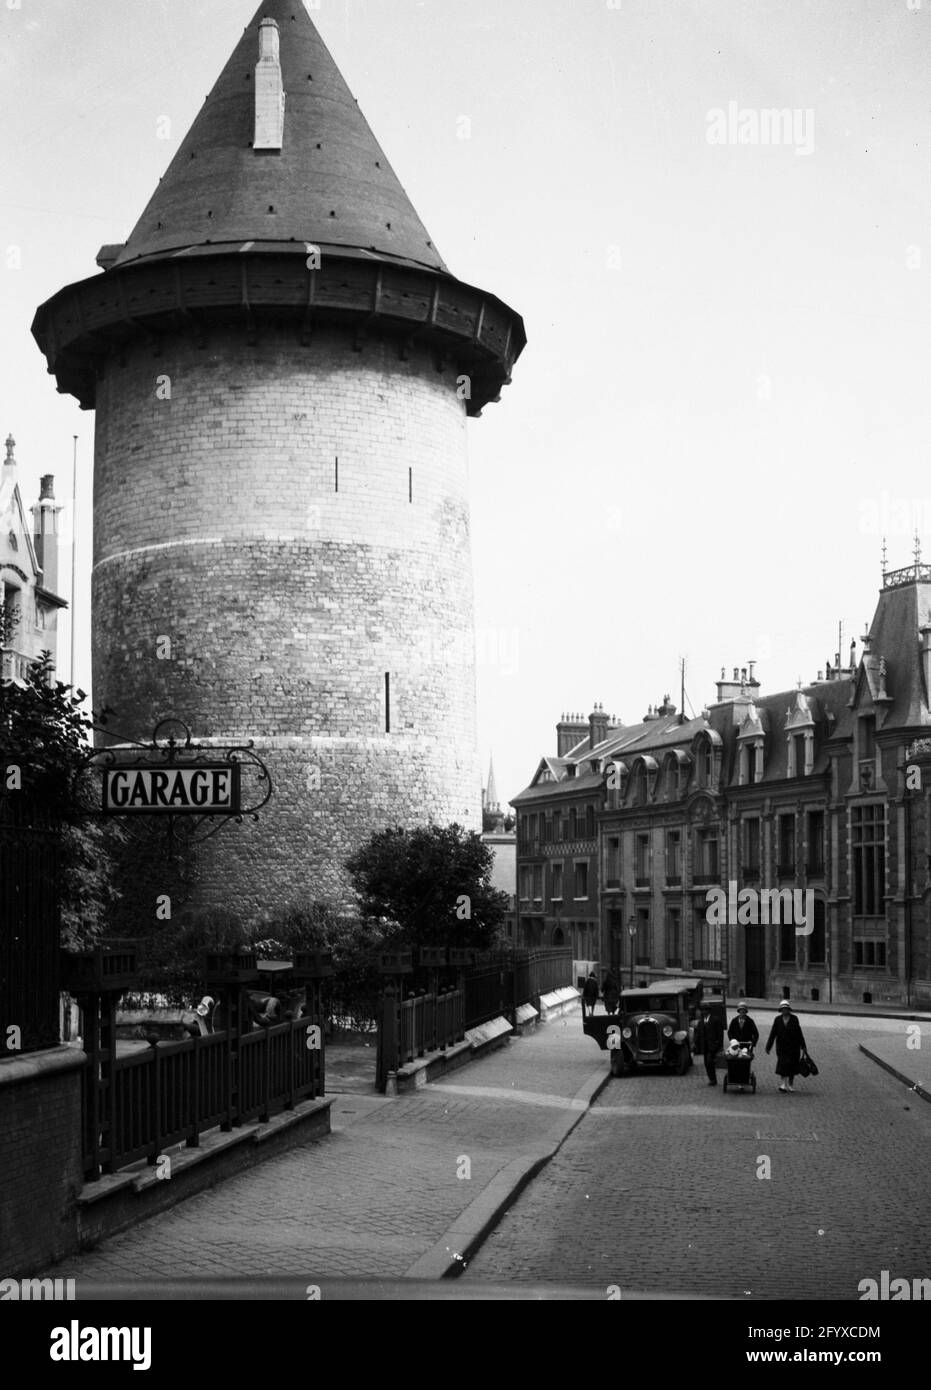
x=282 y=367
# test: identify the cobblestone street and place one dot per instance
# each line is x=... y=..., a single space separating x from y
x=664 y=1167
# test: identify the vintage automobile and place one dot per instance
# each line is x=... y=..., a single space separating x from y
x=653 y=1027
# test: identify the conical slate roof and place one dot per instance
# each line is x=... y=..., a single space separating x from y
x=329 y=185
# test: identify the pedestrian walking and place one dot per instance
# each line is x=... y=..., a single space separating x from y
x=611 y=993
x=709 y=1039
x=590 y=994
x=786 y=1035
x=742 y=1029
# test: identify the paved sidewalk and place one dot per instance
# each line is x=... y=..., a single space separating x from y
x=822 y=1006
x=402 y=1185
x=906 y=1057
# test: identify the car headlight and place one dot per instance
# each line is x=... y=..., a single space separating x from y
x=667 y=1031
x=627 y=1033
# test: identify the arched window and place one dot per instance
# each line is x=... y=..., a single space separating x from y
x=642 y=785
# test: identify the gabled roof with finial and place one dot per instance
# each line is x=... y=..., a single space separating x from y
x=330 y=184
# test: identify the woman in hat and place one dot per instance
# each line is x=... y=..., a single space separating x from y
x=786 y=1033
x=742 y=1029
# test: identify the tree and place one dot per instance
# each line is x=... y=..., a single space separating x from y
x=43 y=752
x=432 y=883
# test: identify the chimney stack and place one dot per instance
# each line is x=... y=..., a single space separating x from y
x=597 y=726
x=45 y=532
x=570 y=731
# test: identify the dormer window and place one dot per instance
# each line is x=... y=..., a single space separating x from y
x=750 y=764
x=616 y=778
x=642 y=785
x=800 y=737
x=706 y=764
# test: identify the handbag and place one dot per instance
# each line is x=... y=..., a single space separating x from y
x=806 y=1066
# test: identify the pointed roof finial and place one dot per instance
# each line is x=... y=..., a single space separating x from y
x=917 y=548
x=10 y=446
x=884 y=557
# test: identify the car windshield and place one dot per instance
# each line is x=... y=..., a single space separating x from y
x=655 y=1004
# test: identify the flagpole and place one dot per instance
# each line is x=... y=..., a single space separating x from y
x=74 y=540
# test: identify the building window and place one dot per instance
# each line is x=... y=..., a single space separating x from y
x=817 y=940
x=672 y=780
x=815 y=859
x=787 y=939
x=706 y=857
x=868 y=833
x=752 y=846
x=870 y=955
x=642 y=785
x=643 y=936
x=589 y=822
x=706 y=763
x=673 y=937
x=673 y=856
x=533 y=827
x=613 y=862
x=868 y=736
x=573 y=828
x=581 y=880
x=798 y=742
x=786 y=865
x=525 y=883
x=706 y=943
x=642 y=861
x=538 y=883
x=556 y=883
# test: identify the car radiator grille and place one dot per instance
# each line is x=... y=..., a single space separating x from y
x=648 y=1037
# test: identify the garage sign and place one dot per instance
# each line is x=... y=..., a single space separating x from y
x=204 y=789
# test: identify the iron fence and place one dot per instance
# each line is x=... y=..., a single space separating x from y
x=171 y=1093
x=431 y=1022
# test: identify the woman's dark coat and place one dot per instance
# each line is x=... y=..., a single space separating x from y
x=790 y=1044
x=744 y=1030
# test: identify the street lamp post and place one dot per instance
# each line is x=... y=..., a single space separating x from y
x=632 y=933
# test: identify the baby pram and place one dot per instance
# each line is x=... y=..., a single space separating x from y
x=739 y=1068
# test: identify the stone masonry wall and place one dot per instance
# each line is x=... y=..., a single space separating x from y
x=287 y=590
x=40 y=1158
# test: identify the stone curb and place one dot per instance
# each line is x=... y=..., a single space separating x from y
x=914 y=1086
x=453 y=1251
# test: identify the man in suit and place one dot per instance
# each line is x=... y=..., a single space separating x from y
x=709 y=1039
x=742 y=1029
x=786 y=1035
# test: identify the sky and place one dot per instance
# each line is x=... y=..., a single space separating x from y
x=724 y=403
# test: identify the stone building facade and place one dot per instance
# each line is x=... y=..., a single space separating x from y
x=29 y=559
x=813 y=800
x=282 y=369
